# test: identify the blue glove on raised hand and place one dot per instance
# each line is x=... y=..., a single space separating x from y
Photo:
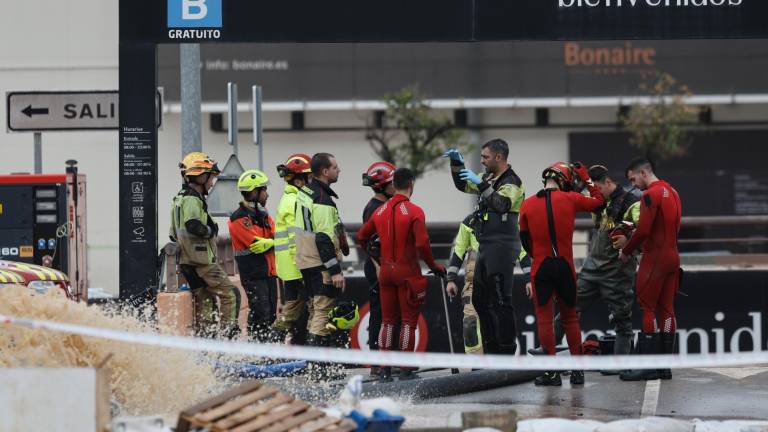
x=454 y=154
x=469 y=176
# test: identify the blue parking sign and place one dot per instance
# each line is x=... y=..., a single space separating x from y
x=194 y=13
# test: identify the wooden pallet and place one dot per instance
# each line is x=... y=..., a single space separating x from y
x=252 y=407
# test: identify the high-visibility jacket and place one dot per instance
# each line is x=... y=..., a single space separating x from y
x=193 y=228
x=317 y=222
x=285 y=233
x=246 y=225
x=466 y=243
x=498 y=205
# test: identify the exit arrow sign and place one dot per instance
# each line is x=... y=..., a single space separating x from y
x=32 y=111
x=29 y=111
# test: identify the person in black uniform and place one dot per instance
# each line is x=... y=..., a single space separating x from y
x=499 y=193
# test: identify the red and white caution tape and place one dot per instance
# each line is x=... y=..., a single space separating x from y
x=394 y=358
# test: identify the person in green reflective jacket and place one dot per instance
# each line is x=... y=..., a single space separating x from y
x=195 y=231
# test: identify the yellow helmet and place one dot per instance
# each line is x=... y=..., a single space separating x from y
x=252 y=179
x=198 y=163
x=344 y=316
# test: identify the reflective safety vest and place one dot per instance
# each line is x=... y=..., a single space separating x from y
x=317 y=222
x=285 y=233
x=195 y=250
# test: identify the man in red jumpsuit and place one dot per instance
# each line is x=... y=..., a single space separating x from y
x=547 y=222
x=658 y=277
x=402 y=231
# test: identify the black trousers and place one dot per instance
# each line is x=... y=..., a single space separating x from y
x=492 y=298
x=262 y=306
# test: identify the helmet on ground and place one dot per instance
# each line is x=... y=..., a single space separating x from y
x=252 y=179
x=378 y=175
x=198 y=163
x=591 y=346
x=561 y=173
x=344 y=316
x=298 y=163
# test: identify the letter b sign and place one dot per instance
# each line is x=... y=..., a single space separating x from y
x=194 y=13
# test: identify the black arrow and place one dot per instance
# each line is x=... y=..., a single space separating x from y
x=29 y=111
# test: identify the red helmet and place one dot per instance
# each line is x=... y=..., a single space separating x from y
x=378 y=175
x=560 y=172
x=298 y=163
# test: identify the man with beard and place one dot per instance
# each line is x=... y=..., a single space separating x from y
x=499 y=196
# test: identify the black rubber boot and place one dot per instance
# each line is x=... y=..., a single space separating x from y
x=407 y=375
x=385 y=374
x=646 y=344
x=549 y=379
x=667 y=347
x=375 y=371
x=622 y=346
x=577 y=377
x=315 y=369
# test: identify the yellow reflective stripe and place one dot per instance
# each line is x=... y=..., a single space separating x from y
x=281 y=235
x=60 y=275
x=38 y=273
x=48 y=271
x=10 y=277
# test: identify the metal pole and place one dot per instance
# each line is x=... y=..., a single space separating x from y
x=447 y=319
x=258 y=137
x=232 y=109
x=38 y=137
x=189 y=55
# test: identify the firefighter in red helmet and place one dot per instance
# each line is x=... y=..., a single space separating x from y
x=378 y=177
x=547 y=222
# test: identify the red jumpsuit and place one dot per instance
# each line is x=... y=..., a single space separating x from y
x=658 y=277
x=402 y=230
x=552 y=272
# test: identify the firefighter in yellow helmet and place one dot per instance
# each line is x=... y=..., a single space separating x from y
x=195 y=231
x=252 y=231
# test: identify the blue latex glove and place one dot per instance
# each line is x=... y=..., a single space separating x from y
x=469 y=176
x=454 y=154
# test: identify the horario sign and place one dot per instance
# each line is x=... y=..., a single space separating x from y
x=146 y=23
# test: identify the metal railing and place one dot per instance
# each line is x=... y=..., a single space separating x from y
x=716 y=235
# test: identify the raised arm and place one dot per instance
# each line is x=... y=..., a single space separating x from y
x=595 y=199
x=457 y=165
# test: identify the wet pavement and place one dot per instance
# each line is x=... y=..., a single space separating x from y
x=706 y=394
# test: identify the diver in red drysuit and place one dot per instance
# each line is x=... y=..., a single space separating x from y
x=658 y=278
x=547 y=222
x=402 y=231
